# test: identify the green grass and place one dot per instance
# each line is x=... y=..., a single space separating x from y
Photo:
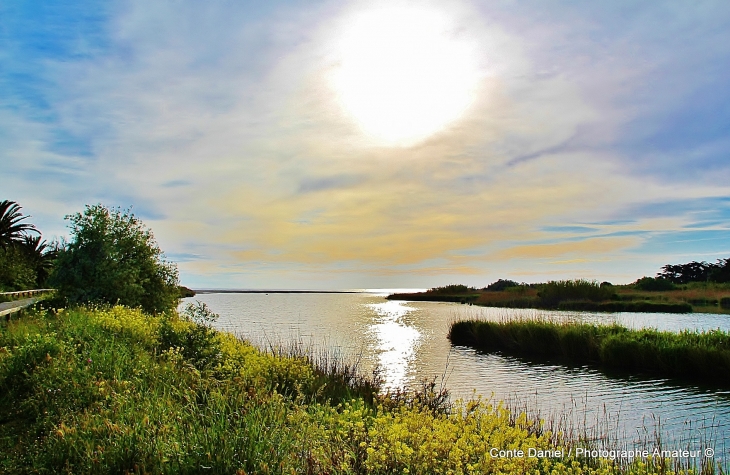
x=113 y=390
x=109 y=391
x=699 y=356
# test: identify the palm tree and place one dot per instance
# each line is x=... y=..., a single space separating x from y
x=40 y=254
x=11 y=228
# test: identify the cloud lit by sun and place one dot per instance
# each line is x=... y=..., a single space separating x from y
x=372 y=143
x=404 y=73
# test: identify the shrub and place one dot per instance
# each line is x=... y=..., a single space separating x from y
x=16 y=273
x=721 y=271
x=652 y=284
x=114 y=259
x=192 y=335
x=501 y=284
x=451 y=289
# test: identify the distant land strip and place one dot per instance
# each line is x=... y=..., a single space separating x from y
x=228 y=291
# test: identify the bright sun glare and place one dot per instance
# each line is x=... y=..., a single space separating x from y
x=404 y=73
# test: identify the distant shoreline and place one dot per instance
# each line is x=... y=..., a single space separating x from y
x=223 y=291
x=580 y=295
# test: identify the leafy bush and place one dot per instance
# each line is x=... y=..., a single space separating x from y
x=501 y=284
x=721 y=271
x=451 y=289
x=192 y=335
x=16 y=273
x=113 y=259
x=652 y=284
x=185 y=292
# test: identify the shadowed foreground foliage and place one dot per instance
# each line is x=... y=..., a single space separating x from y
x=114 y=390
x=699 y=356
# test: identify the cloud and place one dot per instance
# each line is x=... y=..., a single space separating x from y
x=594 y=134
x=310 y=185
x=570 y=229
x=590 y=247
x=176 y=183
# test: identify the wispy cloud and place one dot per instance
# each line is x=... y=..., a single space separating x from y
x=597 y=140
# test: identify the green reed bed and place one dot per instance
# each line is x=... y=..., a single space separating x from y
x=113 y=390
x=577 y=294
x=699 y=356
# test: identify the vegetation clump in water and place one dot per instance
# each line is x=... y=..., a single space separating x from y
x=699 y=356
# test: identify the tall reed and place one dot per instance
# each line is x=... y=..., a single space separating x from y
x=701 y=356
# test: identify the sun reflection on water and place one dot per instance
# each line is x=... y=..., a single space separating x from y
x=396 y=341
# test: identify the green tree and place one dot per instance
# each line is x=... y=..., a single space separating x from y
x=40 y=256
x=17 y=270
x=16 y=273
x=113 y=258
x=721 y=271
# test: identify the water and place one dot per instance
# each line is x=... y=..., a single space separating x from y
x=407 y=342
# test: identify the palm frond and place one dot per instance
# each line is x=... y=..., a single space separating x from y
x=11 y=228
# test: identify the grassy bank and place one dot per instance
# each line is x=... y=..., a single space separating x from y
x=117 y=391
x=585 y=295
x=694 y=356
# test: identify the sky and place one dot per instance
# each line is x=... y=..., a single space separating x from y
x=367 y=144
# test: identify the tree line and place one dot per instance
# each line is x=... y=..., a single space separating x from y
x=110 y=258
x=696 y=272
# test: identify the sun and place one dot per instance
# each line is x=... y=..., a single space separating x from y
x=404 y=73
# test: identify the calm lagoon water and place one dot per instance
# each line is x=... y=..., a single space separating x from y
x=406 y=342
